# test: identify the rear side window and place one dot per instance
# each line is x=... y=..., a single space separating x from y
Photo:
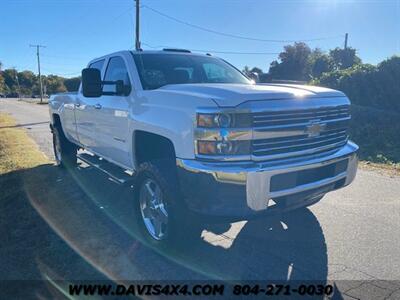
x=97 y=65
x=116 y=70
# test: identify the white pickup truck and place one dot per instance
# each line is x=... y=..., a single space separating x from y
x=197 y=136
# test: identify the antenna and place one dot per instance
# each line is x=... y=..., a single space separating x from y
x=137 y=28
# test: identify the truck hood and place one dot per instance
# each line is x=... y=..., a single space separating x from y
x=234 y=94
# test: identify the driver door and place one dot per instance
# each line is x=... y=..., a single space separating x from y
x=112 y=140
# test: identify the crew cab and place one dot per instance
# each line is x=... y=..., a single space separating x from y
x=198 y=137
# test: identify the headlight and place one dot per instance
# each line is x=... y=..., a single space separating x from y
x=223 y=147
x=223 y=134
x=223 y=120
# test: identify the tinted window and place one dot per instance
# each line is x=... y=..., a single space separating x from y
x=97 y=65
x=156 y=70
x=116 y=70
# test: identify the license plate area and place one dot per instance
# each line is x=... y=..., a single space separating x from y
x=293 y=179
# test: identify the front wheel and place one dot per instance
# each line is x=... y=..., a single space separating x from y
x=64 y=151
x=162 y=216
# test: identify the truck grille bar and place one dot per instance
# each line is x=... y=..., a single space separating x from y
x=317 y=131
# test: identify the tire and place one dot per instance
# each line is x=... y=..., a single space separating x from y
x=64 y=150
x=175 y=224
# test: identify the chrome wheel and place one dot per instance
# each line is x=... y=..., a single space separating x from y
x=57 y=148
x=153 y=209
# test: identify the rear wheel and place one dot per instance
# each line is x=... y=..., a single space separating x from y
x=161 y=213
x=64 y=150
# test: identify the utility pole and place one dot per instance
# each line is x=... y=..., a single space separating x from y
x=345 y=40
x=137 y=29
x=40 y=76
x=19 y=88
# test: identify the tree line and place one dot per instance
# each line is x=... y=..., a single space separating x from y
x=26 y=83
x=370 y=85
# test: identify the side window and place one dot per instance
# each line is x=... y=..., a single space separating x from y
x=116 y=70
x=97 y=65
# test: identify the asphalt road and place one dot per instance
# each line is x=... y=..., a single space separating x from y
x=350 y=237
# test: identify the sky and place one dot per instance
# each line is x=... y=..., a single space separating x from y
x=76 y=31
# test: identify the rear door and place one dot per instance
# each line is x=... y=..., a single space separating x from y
x=85 y=109
x=112 y=116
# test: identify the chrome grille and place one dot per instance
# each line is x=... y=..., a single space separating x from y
x=290 y=117
x=287 y=132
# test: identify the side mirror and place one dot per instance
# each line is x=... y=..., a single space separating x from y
x=119 y=87
x=91 y=83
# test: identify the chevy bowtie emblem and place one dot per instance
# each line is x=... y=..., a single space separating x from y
x=314 y=129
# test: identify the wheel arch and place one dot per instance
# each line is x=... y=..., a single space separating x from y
x=149 y=146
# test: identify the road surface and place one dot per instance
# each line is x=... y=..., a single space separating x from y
x=350 y=237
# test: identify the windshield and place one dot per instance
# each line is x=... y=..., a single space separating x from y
x=156 y=70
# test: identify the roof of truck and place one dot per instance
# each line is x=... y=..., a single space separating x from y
x=162 y=51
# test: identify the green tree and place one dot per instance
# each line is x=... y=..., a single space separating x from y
x=54 y=84
x=2 y=83
x=320 y=63
x=27 y=82
x=344 y=58
x=368 y=85
x=9 y=78
x=293 y=63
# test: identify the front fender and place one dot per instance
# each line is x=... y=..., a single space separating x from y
x=170 y=115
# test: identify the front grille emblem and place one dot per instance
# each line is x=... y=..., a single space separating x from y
x=315 y=128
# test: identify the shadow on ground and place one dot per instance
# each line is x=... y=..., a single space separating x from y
x=78 y=225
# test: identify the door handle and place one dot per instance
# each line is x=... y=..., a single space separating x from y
x=97 y=106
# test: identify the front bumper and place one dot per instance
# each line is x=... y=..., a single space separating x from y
x=242 y=189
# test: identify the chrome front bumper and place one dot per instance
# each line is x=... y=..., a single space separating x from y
x=244 y=188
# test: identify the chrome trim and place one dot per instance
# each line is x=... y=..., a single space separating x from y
x=213 y=167
x=223 y=157
x=333 y=106
x=306 y=144
x=219 y=134
x=298 y=153
x=256 y=175
x=302 y=124
x=341 y=132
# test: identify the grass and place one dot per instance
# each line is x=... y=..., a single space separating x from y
x=17 y=150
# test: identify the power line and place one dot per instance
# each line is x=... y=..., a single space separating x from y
x=214 y=51
x=64 y=57
x=234 y=35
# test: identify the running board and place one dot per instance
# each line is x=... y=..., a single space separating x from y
x=115 y=173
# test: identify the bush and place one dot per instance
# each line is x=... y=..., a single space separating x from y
x=377 y=132
x=368 y=85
